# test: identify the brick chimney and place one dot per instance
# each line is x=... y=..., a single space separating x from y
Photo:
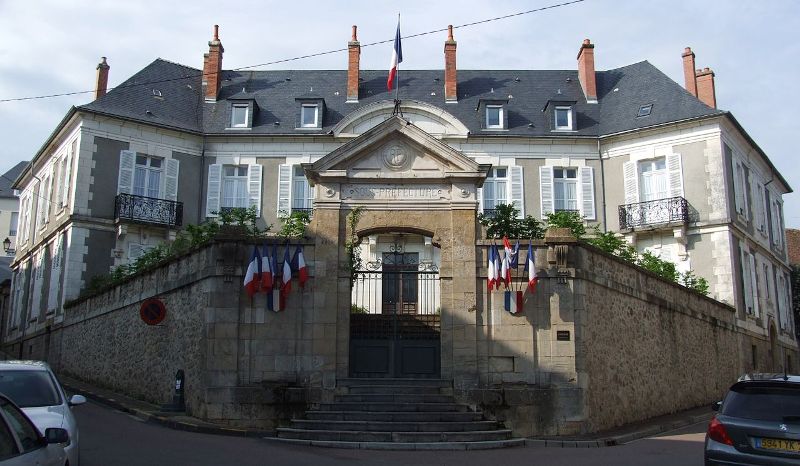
x=705 y=87
x=586 y=71
x=688 y=71
x=353 y=58
x=450 y=80
x=212 y=67
x=101 y=84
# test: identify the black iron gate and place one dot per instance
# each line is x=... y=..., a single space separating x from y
x=395 y=319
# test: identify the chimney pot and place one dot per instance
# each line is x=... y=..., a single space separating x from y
x=450 y=69
x=586 y=73
x=101 y=83
x=353 y=65
x=706 y=90
x=216 y=32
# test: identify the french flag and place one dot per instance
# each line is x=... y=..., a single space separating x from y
x=530 y=267
x=253 y=275
x=397 y=58
x=513 y=301
x=286 y=276
x=491 y=268
x=266 y=270
x=509 y=261
x=299 y=263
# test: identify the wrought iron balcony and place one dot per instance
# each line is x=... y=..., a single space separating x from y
x=148 y=210
x=660 y=211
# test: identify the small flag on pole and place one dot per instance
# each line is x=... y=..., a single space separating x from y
x=492 y=268
x=253 y=275
x=286 y=276
x=530 y=267
x=513 y=301
x=299 y=263
x=397 y=58
x=266 y=270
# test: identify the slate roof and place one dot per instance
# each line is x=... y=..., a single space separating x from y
x=8 y=178
x=181 y=105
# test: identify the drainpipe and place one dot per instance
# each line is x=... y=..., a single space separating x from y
x=602 y=186
x=202 y=184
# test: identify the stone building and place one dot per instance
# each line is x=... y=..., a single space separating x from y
x=628 y=148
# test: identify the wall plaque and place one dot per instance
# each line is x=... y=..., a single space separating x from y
x=396 y=192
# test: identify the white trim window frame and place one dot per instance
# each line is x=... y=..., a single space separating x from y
x=565 y=189
x=494 y=116
x=309 y=116
x=240 y=116
x=302 y=193
x=495 y=188
x=562 y=116
x=234 y=186
x=148 y=176
x=653 y=179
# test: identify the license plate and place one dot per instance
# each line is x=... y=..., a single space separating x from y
x=778 y=444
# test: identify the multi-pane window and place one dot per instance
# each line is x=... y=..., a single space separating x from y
x=565 y=188
x=494 y=116
x=12 y=230
x=563 y=116
x=495 y=189
x=234 y=186
x=309 y=114
x=302 y=194
x=654 y=180
x=147 y=176
x=239 y=116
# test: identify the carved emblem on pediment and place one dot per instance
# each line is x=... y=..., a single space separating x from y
x=397 y=157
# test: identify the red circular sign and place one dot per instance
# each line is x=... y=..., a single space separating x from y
x=152 y=311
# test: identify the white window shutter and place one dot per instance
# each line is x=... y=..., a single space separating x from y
x=754 y=284
x=479 y=197
x=65 y=183
x=587 y=193
x=630 y=182
x=214 y=187
x=127 y=160
x=759 y=210
x=284 y=189
x=171 y=180
x=517 y=190
x=55 y=276
x=546 y=190
x=675 y=173
x=254 y=187
x=747 y=284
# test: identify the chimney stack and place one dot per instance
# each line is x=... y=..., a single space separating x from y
x=353 y=58
x=450 y=80
x=688 y=71
x=212 y=67
x=586 y=73
x=705 y=87
x=101 y=84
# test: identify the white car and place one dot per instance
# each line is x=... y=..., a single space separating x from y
x=21 y=444
x=33 y=387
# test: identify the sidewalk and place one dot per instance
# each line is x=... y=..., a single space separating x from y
x=152 y=413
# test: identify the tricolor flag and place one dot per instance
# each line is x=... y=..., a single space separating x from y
x=530 y=266
x=299 y=263
x=253 y=274
x=509 y=261
x=266 y=270
x=513 y=301
x=275 y=302
x=515 y=256
x=491 y=267
x=397 y=57
x=286 y=276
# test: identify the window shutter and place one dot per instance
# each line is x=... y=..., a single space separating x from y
x=517 y=190
x=65 y=183
x=127 y=160
x=747 y=288
x=171 y=180
x=760 y=224
x=284 y=189
x=587 y=192
x=254 y=187
x=675 y=171
x=55 y=276
x=754 y=284
x=36 y=299
x=630 y=182
x=214 y=186
x=479 y=197
x=781 y=301
x=546 y=190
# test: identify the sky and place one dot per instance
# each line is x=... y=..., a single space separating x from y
x=53 y=47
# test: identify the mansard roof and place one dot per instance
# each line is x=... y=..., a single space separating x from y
x=170 y=95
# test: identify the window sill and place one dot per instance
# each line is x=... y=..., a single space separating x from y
x=498 y=130
x=563 y=130
x=239 y=129
x=308 y=128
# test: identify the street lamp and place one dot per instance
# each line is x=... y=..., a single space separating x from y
x=7 y=246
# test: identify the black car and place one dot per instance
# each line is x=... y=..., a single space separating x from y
x=757 y=423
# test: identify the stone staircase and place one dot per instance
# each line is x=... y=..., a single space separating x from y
x=397 y=414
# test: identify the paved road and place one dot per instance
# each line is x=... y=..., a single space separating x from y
x=110 y=437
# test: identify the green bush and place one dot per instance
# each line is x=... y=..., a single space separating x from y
x=567 y=219
x=294 y=224
x=506 y=222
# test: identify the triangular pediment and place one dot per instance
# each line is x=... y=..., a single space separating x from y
x=395 y=150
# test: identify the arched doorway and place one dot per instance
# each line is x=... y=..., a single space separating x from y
x=395 y=318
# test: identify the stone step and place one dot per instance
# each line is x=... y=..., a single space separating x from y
x=410 y=416
x=395 y=398
x=351 y=382
x=392 y=407
x=400 y=437
x=404 y=389
x=394 y=426
x=419 y=446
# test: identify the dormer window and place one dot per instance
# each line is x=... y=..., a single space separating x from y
x=309 y=115
x=240 y=116
x=494 y=116
x=563 y=118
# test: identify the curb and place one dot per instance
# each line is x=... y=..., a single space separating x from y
x=166 y=421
